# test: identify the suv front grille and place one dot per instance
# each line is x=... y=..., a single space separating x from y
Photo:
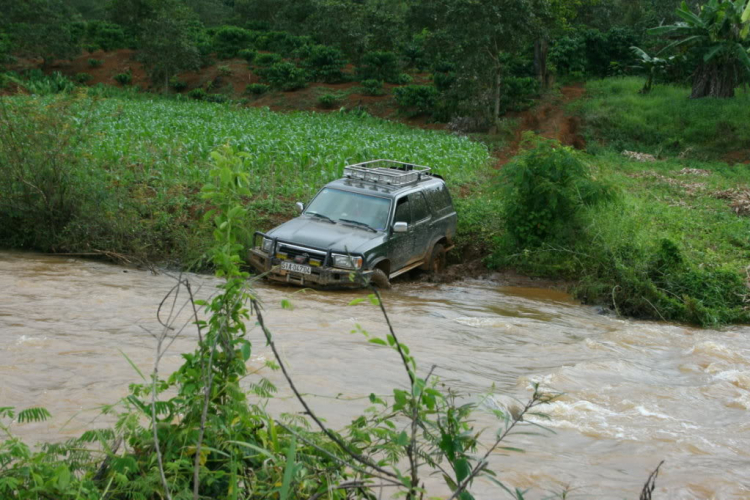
x=292 y=251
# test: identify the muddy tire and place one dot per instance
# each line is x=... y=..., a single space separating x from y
x=380 y=279
x=436 y=264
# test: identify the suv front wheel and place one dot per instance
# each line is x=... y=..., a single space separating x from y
x=437 y=259
x=380 y=279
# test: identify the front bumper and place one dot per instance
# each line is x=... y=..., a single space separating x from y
x=320 y=277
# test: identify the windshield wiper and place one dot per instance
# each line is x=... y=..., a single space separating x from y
x=324 y=217
x=359 y=224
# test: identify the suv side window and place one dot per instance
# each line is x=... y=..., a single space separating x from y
x=419 y=207
x=402 y=211
x=439 y=198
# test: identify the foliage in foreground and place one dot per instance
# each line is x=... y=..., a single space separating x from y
x=665 y=248
x=209 y=438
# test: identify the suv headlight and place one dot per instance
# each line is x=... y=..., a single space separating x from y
x=267 y=245
x=347 y=262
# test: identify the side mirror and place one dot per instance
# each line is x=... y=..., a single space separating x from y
x=400 y=227
x=300 y=206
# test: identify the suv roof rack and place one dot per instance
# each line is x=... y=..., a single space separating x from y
x=389 y=172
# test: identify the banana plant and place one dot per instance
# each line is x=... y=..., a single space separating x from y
x=721 y=32
x=650 y=65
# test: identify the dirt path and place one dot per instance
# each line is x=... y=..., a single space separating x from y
x=547 y=119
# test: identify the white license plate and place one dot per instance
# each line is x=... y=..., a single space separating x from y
x=296 y=268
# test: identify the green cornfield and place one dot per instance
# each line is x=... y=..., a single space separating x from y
x=291 y=154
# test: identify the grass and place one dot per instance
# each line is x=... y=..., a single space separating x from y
x=664 y=122
x=142 y=162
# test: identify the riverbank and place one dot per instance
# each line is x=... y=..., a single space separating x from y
x=672 y=245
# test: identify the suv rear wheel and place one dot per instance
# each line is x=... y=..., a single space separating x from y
x=437 y=259
x=380 y=279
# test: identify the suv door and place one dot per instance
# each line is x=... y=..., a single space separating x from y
x=401 y=245
x=422 y=222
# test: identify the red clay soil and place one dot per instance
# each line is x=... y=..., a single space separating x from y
x=547 y=119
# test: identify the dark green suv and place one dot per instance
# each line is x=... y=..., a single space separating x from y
x=381 y=220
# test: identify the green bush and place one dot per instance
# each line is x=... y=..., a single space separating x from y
x=105 y=35
x=328 y=100
x=248 y=54
x=280 y=41
x=544 y=190
x=124 y=78
x=404 y=79
x=82 y=78
x=372 y=87
x=518 y=93
x=257 y=88
x=95 y=63
x=265 y=60
x=216 y=98
x=416 y=99
x=325 y=64
x=228 y=41
x=177 y=84
x=444 y=80
x=197 y=94
x=285 y=76
x=382 y=66
x=224 y=70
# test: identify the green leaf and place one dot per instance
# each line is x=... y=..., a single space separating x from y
x=402 y=439
x=287 y=304
x=245 y=349
x=746 y=14
x=253 y=447
x=33 y=415
x=356 y=301
x=132 y=364
x=710 y=53
x=376 y=340
x=288 y=469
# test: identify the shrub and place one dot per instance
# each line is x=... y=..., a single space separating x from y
x=177 y=84
x=257 y=88
x=124 y=78
x=379 y=66
x=224 y=70
x=197 y=94
x=229 y=40
x=247 y=54
x=404 y=79
x=328 y=100
x=444 y=80
x=416 y=99
x=285 y=76
x=82 y=78
x=281 y=42
x=107 y=36
x=216 y=98
x=265 y=60
x=544 y=189
x=372 y=87
x=95 y=63
x=325 y=64
x=518 y=93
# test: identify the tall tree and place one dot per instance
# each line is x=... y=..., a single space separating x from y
x=720 y=33
x=167 y=46
x=483 y=32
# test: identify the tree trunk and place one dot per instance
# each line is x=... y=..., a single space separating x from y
x=541 y=49
x=714 y=80
x=498 y=86
x=166 y=84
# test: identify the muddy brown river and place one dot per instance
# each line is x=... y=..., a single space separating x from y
x=634 y=393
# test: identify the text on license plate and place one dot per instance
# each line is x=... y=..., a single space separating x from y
x=296 y=268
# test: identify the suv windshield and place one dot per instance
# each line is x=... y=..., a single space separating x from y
x=338 y=205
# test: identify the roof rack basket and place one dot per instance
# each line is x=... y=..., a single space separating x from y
x=389 y=172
